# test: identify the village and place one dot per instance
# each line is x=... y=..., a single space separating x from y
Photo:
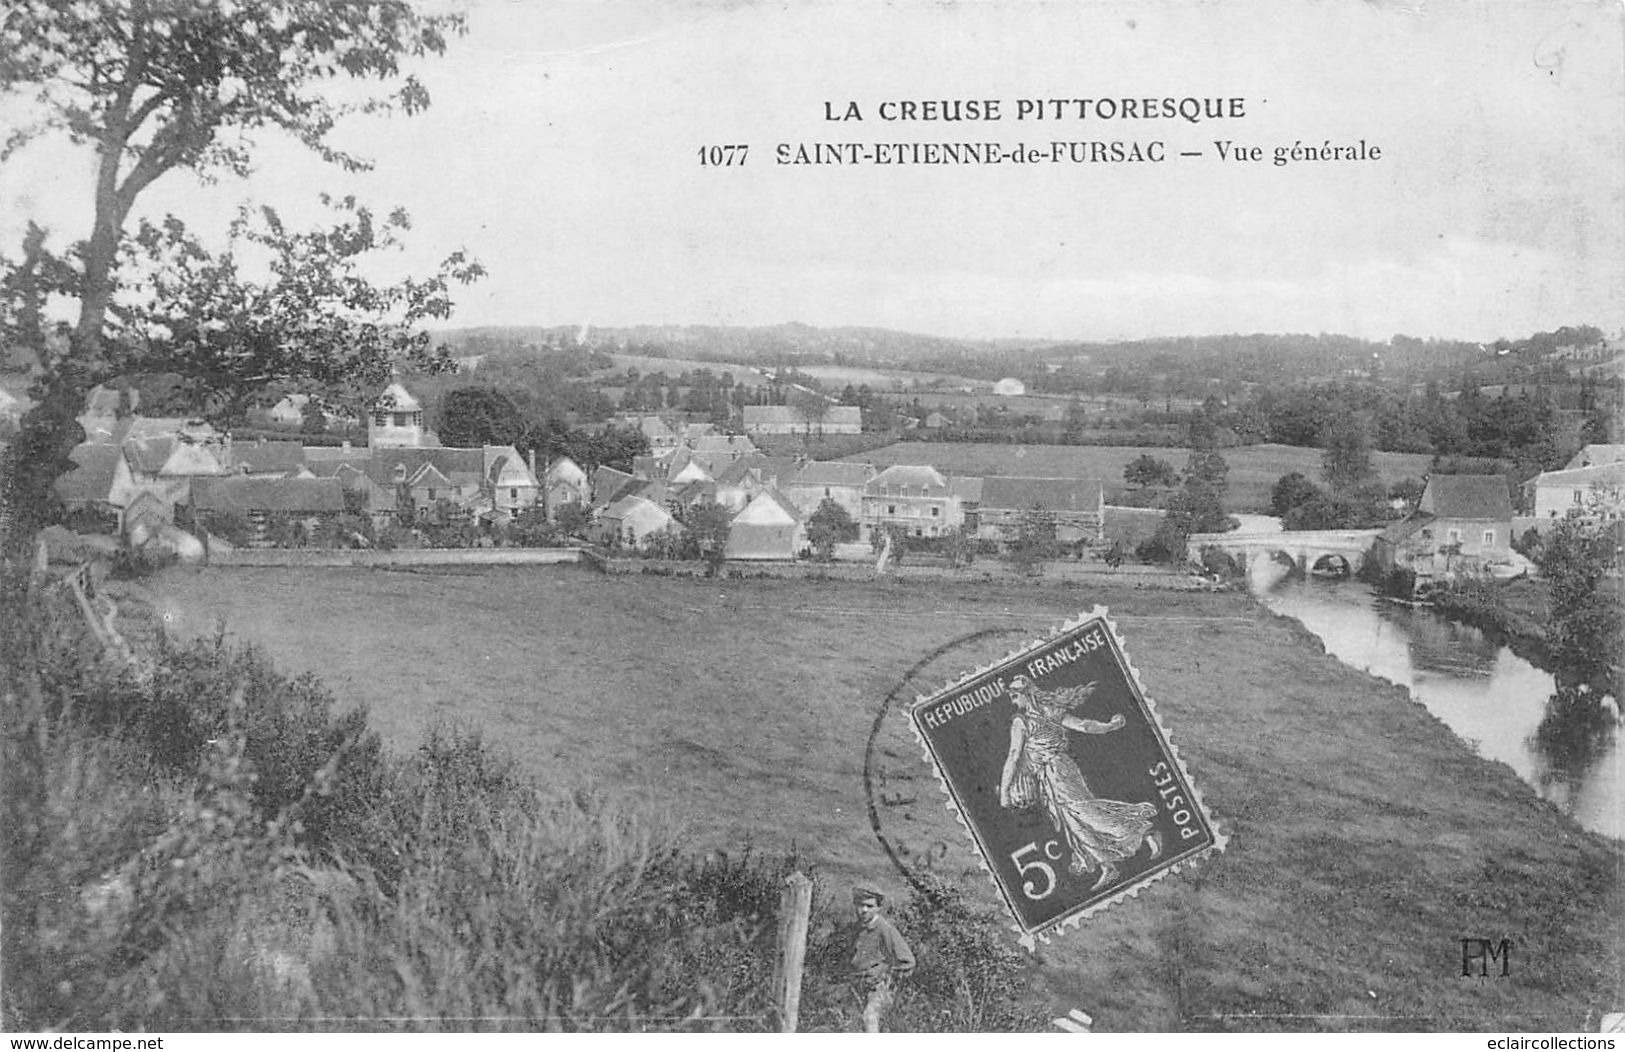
x=173 y=487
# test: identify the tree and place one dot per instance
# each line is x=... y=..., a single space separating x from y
x=312 y=421
x=1146 y=470
x=1207 y=468
x=573 y=519
x=159 y=87
x=1291 y=490
x=1577 y=560
x=828 y=525
x=706 y=527
x=1035 y=540
x=1346 y=460
x=479 y=416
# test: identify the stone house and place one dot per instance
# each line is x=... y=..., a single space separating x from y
x=838 y=480
x=1079 y=506
x=917 y=498
x=1462 y=525
x=769 y=527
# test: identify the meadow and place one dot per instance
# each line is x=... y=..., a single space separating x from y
x=1254 y=470
x=1366 y=840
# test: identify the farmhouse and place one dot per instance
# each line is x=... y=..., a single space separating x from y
x=565 y=482
x=838 y=480
x=1079 y=506
x=739 y=482
x=769 y=527
x=259 y=501
x=1463 y=524
x=1594 y=491
x=631 y=520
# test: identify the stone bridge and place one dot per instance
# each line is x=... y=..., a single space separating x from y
x=1305 y=549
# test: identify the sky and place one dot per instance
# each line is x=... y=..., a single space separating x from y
x=562 y=150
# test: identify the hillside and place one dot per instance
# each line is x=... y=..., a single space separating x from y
x=1367 y=840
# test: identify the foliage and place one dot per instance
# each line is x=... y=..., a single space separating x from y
x=155 y=88
x=479 y=416
x=1579 y=560
x=1346 y=461
x=1291 y=490
x=573 y=519
x=1207 y=468
x=217 y=845
x=1035 y=540
x=1147 y=470
x=706 y=526
x=828 y=525
x=960 y=546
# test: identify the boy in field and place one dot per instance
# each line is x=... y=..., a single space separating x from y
x=880 y=957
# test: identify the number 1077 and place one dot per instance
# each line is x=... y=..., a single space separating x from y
x=723 y=156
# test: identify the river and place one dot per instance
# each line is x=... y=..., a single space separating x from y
x=1489 y=696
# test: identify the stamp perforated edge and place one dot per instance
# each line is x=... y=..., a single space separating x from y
x=1071 y=920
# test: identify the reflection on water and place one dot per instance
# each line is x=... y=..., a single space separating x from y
x=1556 y=739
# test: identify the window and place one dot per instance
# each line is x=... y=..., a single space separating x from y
x=513 y=493
x=1578 y=498
x=891 y=509
x=431 y=493
x=1454 y=536
x=1489 y=537
x=935 y=511
x=400 y=420
x=826 y=491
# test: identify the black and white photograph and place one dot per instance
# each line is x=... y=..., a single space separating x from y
x=812 y=516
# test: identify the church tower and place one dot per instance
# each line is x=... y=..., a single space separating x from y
x=396 y=419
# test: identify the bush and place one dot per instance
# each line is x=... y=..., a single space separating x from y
x=132 y=564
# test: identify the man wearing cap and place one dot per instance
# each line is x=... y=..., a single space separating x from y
x=880 y=958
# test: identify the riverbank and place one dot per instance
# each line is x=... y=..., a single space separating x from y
x=1366 y=838
x=1512 y=613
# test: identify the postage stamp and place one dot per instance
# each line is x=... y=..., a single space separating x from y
x=1058 y=766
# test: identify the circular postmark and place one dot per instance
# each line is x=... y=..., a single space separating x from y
x=908 y=812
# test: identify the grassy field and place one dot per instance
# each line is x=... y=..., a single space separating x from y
x=1366 y=840
x=1253 y=469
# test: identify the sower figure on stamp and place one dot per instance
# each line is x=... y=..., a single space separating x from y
x=880 y=957
x=1038 y=772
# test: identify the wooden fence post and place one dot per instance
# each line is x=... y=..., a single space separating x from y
x=795 y=906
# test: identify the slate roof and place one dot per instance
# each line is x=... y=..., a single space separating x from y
x=1001 y=492
x=607 y=483
x=1467 y=497
x=1605 y=474
x=1597 y=453
x=832 y=473
x=148 y=455
x=242 y=493
x=92 y=478
x=467 y=463
x=397 y=399
x=766 y=468
x=267 y=458
x=913 y=476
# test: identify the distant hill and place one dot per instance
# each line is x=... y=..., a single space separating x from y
x=773 y=344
